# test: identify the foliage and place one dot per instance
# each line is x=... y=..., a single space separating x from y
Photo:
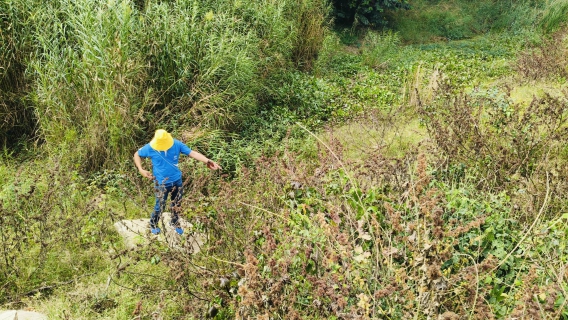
x=312 y=19
x=464 y=220
x=555 y=16
x=367 y=13
x=331 y=48
x=445 y=20
x=107 y=72
x=377 y=48
x=498 y=139
x=203 y=62
x=15 y=46
x=89 y=79
x=325 y=239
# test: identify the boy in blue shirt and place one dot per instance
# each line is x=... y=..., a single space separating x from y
x=164 y=151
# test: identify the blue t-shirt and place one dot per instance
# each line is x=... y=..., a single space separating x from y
x=165 y=163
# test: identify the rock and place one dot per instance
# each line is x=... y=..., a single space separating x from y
x=21 y=315
x=135 y=232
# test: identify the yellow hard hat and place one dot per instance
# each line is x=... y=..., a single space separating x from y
x=162 y=140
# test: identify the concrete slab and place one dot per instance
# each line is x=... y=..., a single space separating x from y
x=137 y=232
x=21 y=315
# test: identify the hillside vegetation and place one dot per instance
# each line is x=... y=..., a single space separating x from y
x=412 y=172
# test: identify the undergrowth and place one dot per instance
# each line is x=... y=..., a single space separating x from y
x=440 y=21
x=55 y=230
x=331 y=239
x=467 y=222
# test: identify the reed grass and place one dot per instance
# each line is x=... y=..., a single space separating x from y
x=555 y=15
x=377 y=48
x=312 y=25
x=89 y=88
x=15 y=47
x=204 y=62
x=100 y=76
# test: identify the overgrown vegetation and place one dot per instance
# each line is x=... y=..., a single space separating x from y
x=16 y=111
x=105 y=72
x=547 y=60
x=365 y=13
x=370 y=180
x=434 y=20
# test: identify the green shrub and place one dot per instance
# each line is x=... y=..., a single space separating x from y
x=434 y=22
x=331 y=48
x=310 y=99
x=364 y=12
x=105 y=74
x=213 y=66
x=459 y=19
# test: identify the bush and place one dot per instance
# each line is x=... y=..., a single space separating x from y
x=505 y=146
x=364 y=12
x=331 y=48
x=325 y=239
x=90 y=97
x=204 y=63
x=312 y=23
x=457 y=19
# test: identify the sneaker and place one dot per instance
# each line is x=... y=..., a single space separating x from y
x=155 y=230
x=179 y=230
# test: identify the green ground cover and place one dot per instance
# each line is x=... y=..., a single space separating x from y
x=381 y=180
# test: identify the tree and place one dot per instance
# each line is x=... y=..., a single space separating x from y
x=365 y=12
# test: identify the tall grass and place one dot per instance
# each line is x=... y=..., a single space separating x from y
x=555 y=16
x=311 y=21
x=203 y=61
x=16 y=111
x=377 y=48
x=103 y=74
x=89 y=79
x=213 y=61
